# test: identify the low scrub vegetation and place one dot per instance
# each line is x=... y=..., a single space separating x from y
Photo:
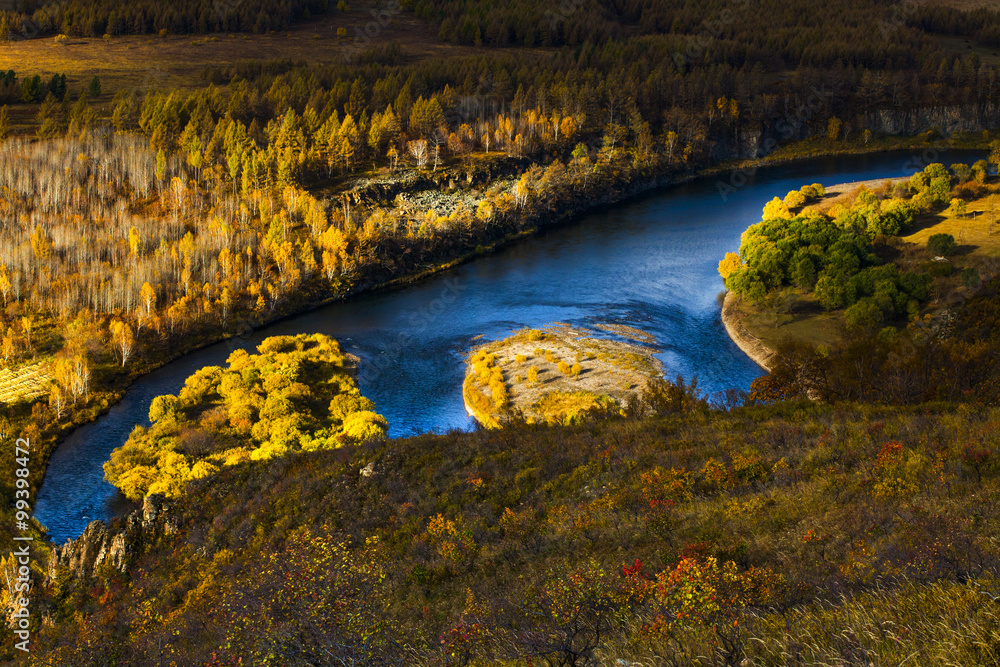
x=698 y=537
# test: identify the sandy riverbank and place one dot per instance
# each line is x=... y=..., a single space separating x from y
x=752 y=346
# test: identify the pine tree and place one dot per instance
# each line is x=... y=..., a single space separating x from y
x=49 y=117
x=161 y=165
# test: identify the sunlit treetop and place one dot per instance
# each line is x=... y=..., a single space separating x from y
x=296 y=394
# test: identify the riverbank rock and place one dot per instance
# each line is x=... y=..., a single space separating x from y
x=115 y=546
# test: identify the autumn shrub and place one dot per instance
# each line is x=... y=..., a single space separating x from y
x=794 y=199
x=498 y=390
x=295 y=395
x=899 y=471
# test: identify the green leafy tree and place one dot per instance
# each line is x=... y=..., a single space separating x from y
x=942 y=244
x=804 y=273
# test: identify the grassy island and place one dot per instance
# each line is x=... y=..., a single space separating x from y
x=559 y=375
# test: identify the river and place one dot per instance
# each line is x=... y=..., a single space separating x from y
x=649 y=263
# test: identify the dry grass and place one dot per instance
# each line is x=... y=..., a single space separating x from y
x=977 y=233
x=802 y=320
x=608 y=371
x=23 y=383
x=940 y=623
x=966 y=5
x=149 y=61
x=845 y=193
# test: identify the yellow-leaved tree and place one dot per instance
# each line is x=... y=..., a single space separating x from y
x=776 y=209
x=731 y=262
x=296 y=394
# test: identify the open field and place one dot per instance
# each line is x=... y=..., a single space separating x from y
x=141 y=63
x=23 y=383
x=977 y=232
x=800 y=318
x=988 y=55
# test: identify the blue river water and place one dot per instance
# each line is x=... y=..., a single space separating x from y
x=650 y=263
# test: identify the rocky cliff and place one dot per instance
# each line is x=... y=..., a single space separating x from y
x=117 y=545
x=760 y=139
x=946 y=119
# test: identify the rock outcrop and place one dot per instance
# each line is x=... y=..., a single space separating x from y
x=756 y=140
x=116 y=546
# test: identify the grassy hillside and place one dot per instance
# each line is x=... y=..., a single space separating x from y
x=318 y=164
x=813 y=531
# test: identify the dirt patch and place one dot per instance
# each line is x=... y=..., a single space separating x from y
x=557 y=375
x=844 y=193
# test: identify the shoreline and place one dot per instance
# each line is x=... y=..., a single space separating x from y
x=641 y=187
x=749 y=344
